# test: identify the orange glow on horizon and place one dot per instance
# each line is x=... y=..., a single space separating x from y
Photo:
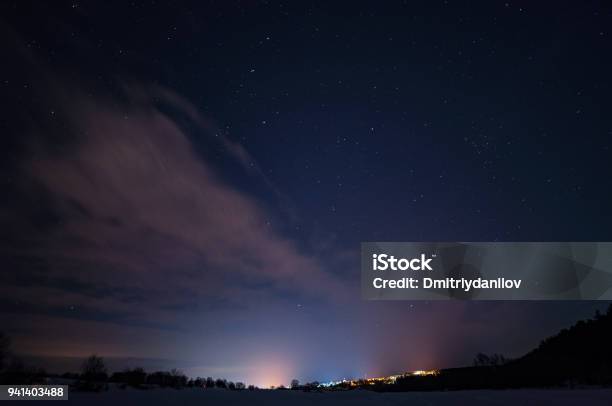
x=272 y=371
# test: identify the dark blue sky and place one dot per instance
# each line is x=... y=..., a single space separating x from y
x=191 y=177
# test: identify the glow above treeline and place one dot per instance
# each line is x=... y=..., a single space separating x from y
x=380 y=380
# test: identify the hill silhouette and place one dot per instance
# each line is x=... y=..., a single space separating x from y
x=579 y=355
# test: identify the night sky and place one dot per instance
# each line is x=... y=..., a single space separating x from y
x=186 y=185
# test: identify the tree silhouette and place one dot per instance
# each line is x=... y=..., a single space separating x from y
x=93 y=374
x=483 y=360
x=93 y=369
x=133 y=377
x=311 y=386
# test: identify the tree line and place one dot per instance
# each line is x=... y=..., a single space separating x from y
x=94 y=375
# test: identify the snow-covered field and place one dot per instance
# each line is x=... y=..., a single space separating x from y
x=116 y=397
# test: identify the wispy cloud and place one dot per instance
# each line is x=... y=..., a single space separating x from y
x=142 y=221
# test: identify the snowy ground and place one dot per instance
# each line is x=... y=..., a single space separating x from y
x=116 y=397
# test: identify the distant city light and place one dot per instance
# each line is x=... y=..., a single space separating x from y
x=379 y=380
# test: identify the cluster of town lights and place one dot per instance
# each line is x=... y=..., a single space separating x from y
x=380 y=380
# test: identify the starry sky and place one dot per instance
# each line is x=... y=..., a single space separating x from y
x=186 y=185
